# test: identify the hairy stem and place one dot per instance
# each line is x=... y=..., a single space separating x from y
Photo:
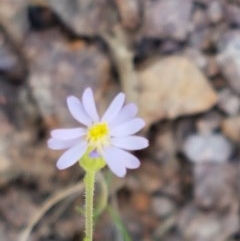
x=89 y=192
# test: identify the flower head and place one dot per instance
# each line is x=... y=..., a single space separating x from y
x=109 y=137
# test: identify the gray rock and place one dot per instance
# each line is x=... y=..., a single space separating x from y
x=197 y=57
x=163 y=207
x=85 y=17
x=168 y=19
x=212 y=69
x=12 y=64
x=229 y=102
x=7 y=59
x=233 y=14
x=201 y=39
x=6 y=164
x=196 y=225
x=59 y=68
x=215 y=11
x=200 y=19
x=207 y=147
x=229 y=58
x=208 y=123
x=14 y=17
x=215 y=186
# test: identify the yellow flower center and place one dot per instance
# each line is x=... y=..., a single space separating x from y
x=98 y=135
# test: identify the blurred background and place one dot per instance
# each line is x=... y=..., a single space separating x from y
x=178 y=60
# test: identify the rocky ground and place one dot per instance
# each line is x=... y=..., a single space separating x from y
x=179 y=60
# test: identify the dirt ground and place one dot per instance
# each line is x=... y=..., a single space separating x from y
x=178 y=60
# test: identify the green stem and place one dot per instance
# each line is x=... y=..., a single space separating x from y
x=89 y=192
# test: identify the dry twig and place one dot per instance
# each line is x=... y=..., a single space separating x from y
x=73 y=190
x=123 y=58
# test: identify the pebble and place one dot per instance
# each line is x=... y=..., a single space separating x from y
x=207 y=147
x=14 y=17
x=162 y=206
x=208 y=123
x=85 y=17
x=141 y=201
x=215 y=12
x=229 y=102
x=168 y=19
x=233 y=14
x=197 y=225
x=215 y=186
x=229 y=59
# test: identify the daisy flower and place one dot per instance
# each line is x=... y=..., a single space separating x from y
x=109 y=137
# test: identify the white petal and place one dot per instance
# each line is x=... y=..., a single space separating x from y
x=130 y=161
x=131 y=143
x=67 y=134
x=76 y=109
x=71 y=156
x=89 y=104
x=117 y=159
x=126 y=113
x=128 y=128
x=61 y=145
x=114 y=108
x=115 y=163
